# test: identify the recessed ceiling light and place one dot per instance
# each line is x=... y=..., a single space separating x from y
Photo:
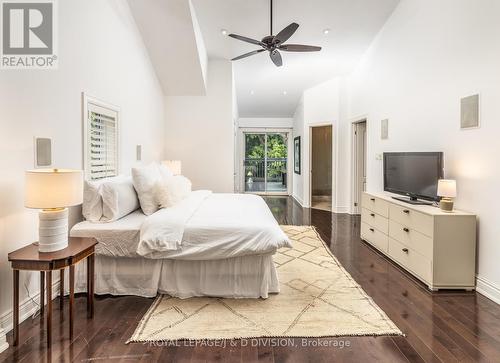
x=224 y=31
x=326 y=31
x=252 y=92
x=285 y=93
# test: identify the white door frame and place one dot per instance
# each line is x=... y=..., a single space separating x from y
x=355 y=203
x=241 y=156
x=334 y=163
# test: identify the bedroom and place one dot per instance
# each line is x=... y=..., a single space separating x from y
x=424 y=77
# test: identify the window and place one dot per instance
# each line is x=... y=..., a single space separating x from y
x=100 y=138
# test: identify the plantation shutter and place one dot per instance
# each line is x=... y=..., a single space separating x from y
x=102 y=142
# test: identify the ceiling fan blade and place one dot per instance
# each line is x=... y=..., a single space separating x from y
x=299 y=48
x=276 y=58
x=286 y=33
x=245 y=39
x=248 y=54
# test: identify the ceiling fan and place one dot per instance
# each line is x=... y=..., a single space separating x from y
x=274 y=43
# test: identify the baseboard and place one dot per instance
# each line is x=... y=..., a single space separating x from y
x=26 y=309
x=341 y=210
x=488 y=289
x=3 y=341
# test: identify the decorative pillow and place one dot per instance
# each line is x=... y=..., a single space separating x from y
x=170 y=191
x=118 y=199
x=92 y=199
x=145 y=179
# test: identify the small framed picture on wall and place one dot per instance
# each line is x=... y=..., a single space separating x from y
x=296 y=155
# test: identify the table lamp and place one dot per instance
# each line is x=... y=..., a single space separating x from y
x=175 y=166
x=52 y=190
x=447 y=189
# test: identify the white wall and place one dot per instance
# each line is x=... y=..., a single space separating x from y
x=100 y=52
x=298 y=131
x=265 y=122
x=429 y=55
x=319 y=105
x=200 y=131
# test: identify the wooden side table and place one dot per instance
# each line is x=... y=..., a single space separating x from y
x=28 y=258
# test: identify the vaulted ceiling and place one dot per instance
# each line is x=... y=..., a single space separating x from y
x=260 y=85
x=180 y=34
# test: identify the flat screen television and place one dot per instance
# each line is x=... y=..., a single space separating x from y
x=414 y=174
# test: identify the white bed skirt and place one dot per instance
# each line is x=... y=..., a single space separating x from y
x=241 y=277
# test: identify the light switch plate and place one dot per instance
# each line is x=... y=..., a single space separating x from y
x=138 y=152
x=378 y=156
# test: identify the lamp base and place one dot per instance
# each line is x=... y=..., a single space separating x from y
x=446 y=205
x=53 y=230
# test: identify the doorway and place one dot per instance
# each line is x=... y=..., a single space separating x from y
x=321 y=167
x=265 y=162
x=359 y=163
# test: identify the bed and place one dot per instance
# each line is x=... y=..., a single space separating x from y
x=208 y=245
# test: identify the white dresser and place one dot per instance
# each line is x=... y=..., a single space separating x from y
x=438 y=248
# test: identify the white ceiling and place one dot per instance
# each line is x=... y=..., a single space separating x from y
x=169 y=30
x=353 y=25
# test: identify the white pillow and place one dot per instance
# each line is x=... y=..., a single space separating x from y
x=145 y=179
x=118 y=199
x=170 y=191
x=92 y=199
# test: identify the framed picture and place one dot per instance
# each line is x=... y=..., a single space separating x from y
x=296 y=155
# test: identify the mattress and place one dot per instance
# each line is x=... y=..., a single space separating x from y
x=222 y=226
x=119 y=238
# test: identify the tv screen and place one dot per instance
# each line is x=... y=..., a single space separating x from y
x=415 y=174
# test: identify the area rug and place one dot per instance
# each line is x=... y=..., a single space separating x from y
x=318 y=298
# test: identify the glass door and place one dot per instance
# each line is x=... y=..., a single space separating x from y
x=266 y=162
x=254 y=163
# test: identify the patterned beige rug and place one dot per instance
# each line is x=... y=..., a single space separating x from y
x=318 y=298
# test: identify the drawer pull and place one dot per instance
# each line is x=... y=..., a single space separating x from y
x=406 y=211
x=372 y=214
x=371 y=229
x=405 y=250
x=406 y=230
x=372 y=199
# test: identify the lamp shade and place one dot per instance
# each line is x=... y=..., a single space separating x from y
x=447 y=188
x=175 y=166
x=53 y=188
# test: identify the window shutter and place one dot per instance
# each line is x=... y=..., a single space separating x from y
x=102 y=142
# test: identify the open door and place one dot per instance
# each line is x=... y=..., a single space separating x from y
x=359 y=161
x=321 y=167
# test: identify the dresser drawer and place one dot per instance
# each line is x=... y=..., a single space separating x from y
x=375 y=204
x=411 y=238
x=411 y=259
x=372 y=235
x=375 y=220
x=420 y=222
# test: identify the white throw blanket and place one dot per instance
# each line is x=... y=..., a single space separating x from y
x=162 y=231
x=207 y=226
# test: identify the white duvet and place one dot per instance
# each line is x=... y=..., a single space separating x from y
x=208 y=226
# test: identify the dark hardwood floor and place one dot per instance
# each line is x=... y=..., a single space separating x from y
x=439 y=327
